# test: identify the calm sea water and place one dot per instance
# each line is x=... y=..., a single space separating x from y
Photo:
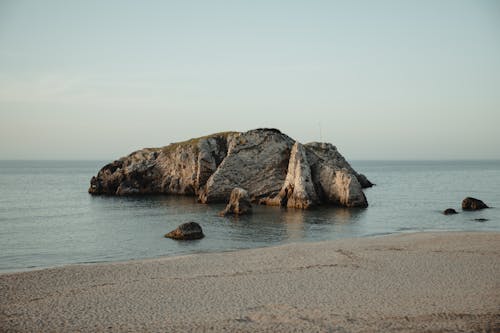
x=48 y=219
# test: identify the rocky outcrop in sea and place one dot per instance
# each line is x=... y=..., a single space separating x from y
x=473 y=204
x=272 y=167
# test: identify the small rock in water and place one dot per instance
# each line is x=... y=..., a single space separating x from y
x=186 y=231
x=449 y=211
x=480 y=220
x=239 y=203
x=473 y=204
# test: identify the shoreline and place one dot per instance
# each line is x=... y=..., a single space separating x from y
x=399 y=282
x=215 y=251
x=203 y=252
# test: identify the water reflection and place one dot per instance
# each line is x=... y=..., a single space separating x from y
x=341 y=215
x=138 y=224
x=58 y=222
x=266 y=224
x=275 y=224
x=293 y=220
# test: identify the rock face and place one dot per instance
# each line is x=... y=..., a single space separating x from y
x=298 y=190
x=473 y=204
x=449 y=211
x=186 y=231
x=180 y=168
x=239 y=203
x=273 y=168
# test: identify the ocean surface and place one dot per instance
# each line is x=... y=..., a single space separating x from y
x=48 y=219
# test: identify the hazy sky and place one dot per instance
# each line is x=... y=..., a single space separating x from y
x=379 y=79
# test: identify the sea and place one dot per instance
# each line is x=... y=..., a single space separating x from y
x=48 y=219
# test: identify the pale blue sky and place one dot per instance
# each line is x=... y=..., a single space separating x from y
x=383 y=79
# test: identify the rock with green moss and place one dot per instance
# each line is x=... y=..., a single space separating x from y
x=179 y=168
x=272 y=167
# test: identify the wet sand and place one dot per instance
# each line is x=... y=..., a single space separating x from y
x=432 y=282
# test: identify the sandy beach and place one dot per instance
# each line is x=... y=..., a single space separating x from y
x=432 y=282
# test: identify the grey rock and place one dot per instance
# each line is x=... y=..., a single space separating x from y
x=186 y=231
x=179 y=168
x=449 y=211
x=473 y=204
x=341 y=188
x=269 y=165
x=334 y=178
x=239 y=203
x=328 y=154
x=365 y=183
x=298 y=189
x=256 y=160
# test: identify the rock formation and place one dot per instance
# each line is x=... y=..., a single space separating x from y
x=473 y=204
x=298 y=190
x=186 y=231
x=239 y=203
x=273 y=168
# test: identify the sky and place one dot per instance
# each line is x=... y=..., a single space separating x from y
x=378 y=79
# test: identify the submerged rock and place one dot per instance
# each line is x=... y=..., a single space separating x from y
x=449 y=211
x=473 y=204
x=273 y=168
x=239 y=203
x=186 y=231
x=480 y=220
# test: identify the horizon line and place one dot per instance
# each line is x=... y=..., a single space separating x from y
x=349 y=160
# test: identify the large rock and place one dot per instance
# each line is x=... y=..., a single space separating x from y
x=273 y=168
x=179 y=168
x=239 y=203
x=342 y=188
x=256 y=160
x=329 y=155
x=298 y=190
x=186 y=231
x=473 y=204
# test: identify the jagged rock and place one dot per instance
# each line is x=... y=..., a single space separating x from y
x=256 y=160
x=473 y=204
x=341 y=188
x=179 y=168
x=186 y=231
x=328 y=154
x=449 y=211
x=239 y=203
x=365 y=183
x=269 y=165
x=298 y=189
